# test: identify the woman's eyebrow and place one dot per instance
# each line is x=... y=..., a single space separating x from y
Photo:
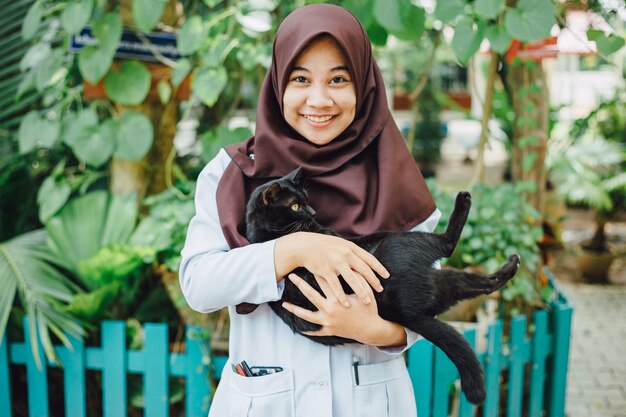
x=337 y=68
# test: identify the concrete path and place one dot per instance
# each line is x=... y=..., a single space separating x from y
x=597 y=365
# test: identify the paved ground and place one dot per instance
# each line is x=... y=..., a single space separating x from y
x=597 y=367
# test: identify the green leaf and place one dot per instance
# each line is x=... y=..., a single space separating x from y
x=108 y=31
x=217 y=51
x=76 y=15
x=209 y=83
x=164 y=89
x=37 y=132
x=467 y=38
x=46 y=70
x=35 y=54
x=128 y=85
x=499 y=39
x=449 y=9
x=191 y=36
x=52 y=195
x=180 y=71
x=95 y=146
x=76 y=126
x=606 y=45
x=134 y=137
x=401 y=18
x=146 y=13
x=94 y=63
x=32 y=21
x=530 y=20
x=377 y=34
x=488 y=9
x=216 y=139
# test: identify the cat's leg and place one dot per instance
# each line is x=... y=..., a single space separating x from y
x=456 y=223
x=456 y=347
x=452 y=285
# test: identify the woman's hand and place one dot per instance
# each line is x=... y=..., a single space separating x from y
x=360 y=322
x=327 y=257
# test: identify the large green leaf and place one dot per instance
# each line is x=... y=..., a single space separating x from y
x=180 y=71
x=94 y=63
x=606 y=44
x=28 y=266
x=499 y=39
x=35 y=54
x=191 y=36
x=489 y=9
x=467 y=38
x=95 y=145
x=530 y=20
x=130 y=84
x=449 y=9
x=76 y=15
x=76 y=126
x=88 y=223
x=108 y=30
x=146 y=13
x=32 y=21
x=46 y=71
x=37 y=132
x=51 y=196
x=401 y=18
x=135 y=136
x=209 y=83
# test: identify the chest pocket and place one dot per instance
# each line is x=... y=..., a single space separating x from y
x=261 y=396
x=384 y=390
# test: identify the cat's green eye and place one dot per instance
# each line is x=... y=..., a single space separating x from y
x=295 y=206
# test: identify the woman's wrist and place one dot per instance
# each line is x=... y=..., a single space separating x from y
x=386 y=334
x=286 y=255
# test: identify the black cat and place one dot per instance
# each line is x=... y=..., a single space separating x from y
x=413 y=295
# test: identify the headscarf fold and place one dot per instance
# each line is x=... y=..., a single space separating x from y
x=363 y=181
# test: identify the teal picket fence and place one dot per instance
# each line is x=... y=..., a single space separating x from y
x=527 y=373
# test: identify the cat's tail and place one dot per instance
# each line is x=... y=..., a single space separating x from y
x=457 y=348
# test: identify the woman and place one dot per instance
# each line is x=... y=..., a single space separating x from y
x=322 y=106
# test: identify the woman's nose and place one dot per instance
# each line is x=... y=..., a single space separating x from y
x=319 y=96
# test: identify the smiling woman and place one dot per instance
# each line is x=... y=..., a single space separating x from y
x=323 y=108
x=319 y=100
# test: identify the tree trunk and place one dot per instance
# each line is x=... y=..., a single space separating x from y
x=530 y=138
x=148 y=176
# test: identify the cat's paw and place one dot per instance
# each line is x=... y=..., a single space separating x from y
x=463 y=200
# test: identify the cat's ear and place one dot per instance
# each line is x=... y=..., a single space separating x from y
x=270 y=193
x=295 y=176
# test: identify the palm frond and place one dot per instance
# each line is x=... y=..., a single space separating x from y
x=26 y=269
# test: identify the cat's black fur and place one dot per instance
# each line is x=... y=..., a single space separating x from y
x=413 y=295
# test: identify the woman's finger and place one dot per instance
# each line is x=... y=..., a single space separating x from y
x=303 y=313
x=360 y=267
x=357 y=283
x=308 y=291
x=337 y=289
x=371 y=260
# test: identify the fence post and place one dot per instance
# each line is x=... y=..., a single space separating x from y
x=74 y=378
x=114 y=367
x=420 y=365
x=538 y=363
x=37 y=378
x=466 y=409
x=562 y=317
x=516 y=366
x=197 y=388
x=156 y=375
x=5 y=386
x=492 y=369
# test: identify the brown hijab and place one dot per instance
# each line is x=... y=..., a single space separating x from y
x=364 y=180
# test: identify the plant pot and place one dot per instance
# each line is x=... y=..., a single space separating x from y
x=594 y=266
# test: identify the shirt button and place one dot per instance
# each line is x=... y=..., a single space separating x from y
x=321 y=383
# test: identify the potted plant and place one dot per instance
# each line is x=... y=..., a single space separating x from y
x=589 y=172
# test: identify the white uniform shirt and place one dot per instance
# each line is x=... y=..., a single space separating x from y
x=317 y=380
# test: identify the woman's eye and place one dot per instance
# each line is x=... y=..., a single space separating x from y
x=338 y=80
x=299 y=79
x=295 y=206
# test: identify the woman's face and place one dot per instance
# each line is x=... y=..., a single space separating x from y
x=319 y=100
